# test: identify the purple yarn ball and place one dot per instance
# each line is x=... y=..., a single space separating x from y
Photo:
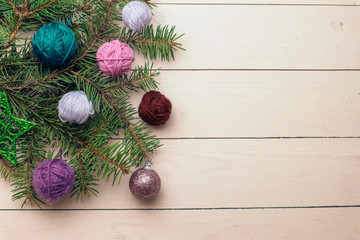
x=53 y=180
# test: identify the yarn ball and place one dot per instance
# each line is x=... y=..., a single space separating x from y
x=155 y=108
x=74 y=107
x=53 y=180
x=145 y=184
x=136 y=15
x=54 y=44
x=114 y=58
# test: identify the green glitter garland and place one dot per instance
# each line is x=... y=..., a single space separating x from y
x=11 y=128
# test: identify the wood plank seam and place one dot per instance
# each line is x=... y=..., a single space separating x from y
x=263 y=4
x=179 y=209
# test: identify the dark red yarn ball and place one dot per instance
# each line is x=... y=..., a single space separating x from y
x=155 y=108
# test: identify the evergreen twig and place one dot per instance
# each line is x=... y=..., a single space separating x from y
x=119 y=112
x=34 y=90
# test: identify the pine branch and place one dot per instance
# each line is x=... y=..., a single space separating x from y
x=6 y=64
x=107 y=98
x=85 y=7
x=152 y=44
x=88 y=147
x=85 y=182
x=77 y=61
x=34 y=90
x=28 y=172
x=97 y=130
x=69 y=135
x=31 y=151
x=6 y=169
x=141 y=77
x=40 y=8
x=22 y=11
x=102 y=156
x=14 y=32
x=11 y=4
x=21 y=183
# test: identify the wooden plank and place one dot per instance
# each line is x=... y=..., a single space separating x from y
x=330 y=224
x=239 y=173
x=260 y=103
x=235 y=37
x=282 y=2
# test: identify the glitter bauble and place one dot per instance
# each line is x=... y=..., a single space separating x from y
x=145 y=184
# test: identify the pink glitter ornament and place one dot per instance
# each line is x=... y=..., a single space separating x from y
x=114 y=58
x=145 y=183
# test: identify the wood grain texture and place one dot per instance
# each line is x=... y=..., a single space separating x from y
x=297 y=224
x=241 y=173
x=260 y=103
x=263 y=2
x=263 y=37
x=263 y=141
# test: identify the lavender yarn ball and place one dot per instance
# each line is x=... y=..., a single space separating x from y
x=145 y=184
x=136 y=15
x=74 y=107
x=53 y=180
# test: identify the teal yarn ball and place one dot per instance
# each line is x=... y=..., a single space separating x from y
x=54 y=44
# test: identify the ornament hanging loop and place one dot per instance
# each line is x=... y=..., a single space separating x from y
x=148 y=163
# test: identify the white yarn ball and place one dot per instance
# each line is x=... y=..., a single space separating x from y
x=136 y=15
x=74 y=107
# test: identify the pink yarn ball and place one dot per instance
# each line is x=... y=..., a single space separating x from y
x=114 y=58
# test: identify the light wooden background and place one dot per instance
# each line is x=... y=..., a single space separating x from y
x=263 y=141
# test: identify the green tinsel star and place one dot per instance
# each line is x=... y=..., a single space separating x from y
x=11 y=128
